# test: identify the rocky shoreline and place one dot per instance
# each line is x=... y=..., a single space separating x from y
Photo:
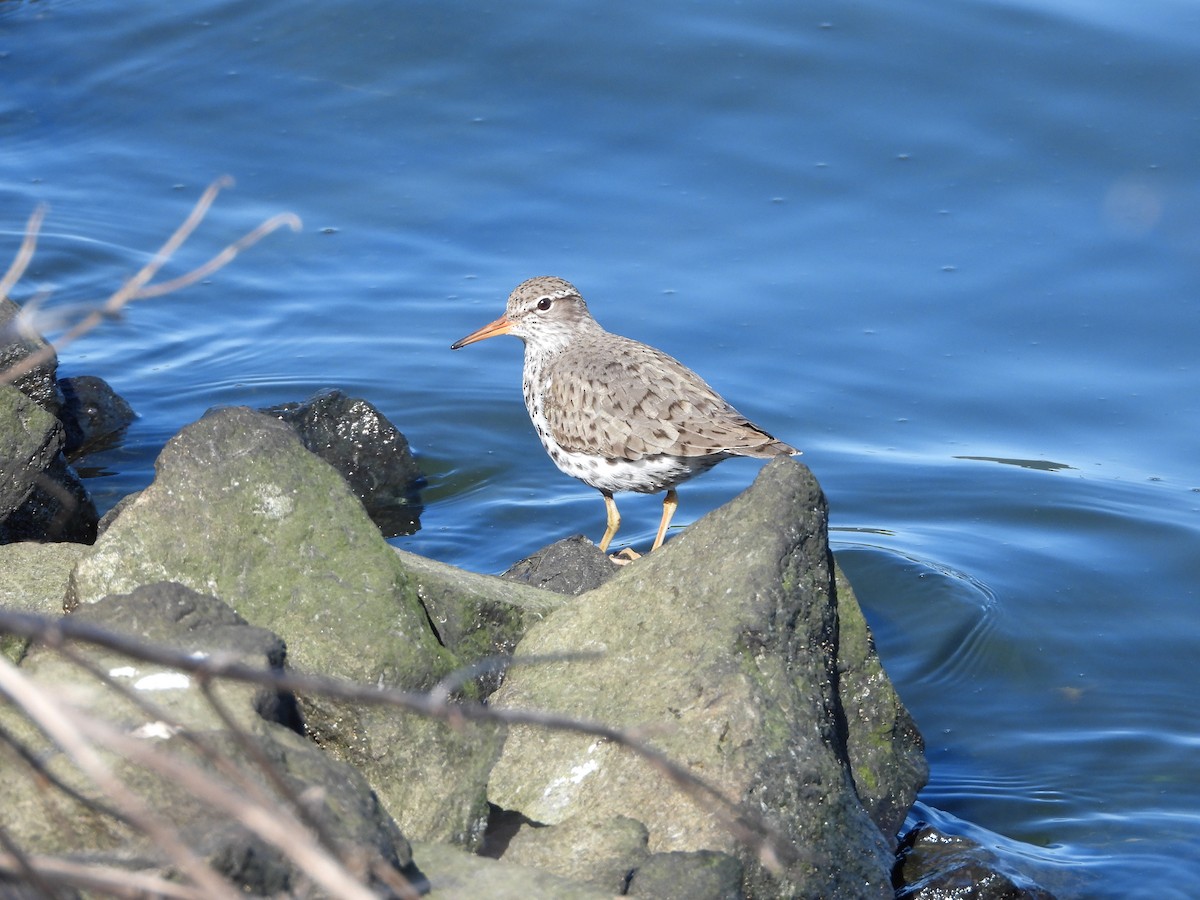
x=737 y=735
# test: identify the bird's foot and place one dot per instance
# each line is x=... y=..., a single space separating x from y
x=625 y=557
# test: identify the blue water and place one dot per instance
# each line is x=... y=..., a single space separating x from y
x=950 y=249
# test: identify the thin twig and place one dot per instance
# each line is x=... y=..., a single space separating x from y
x=743 y=824
x=64 y=728
x=108 y=879
x=137 y=287
x=21 y=261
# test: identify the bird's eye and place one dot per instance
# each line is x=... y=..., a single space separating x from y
x=544 y=304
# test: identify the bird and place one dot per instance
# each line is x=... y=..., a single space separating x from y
x=617 y=414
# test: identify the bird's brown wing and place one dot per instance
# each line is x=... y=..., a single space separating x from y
x=627 y=400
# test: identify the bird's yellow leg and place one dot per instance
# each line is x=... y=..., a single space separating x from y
x=614 y=521
x=669 y=503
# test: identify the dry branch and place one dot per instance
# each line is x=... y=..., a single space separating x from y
x=138 y=286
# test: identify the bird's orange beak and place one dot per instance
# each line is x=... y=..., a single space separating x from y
x=501 y=326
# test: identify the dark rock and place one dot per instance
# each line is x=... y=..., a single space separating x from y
x=937 y=866
x=369 y=451
x=30 y=440
x=570 y=566
x=702 y=875
x=17 y=345
x=94 y=415
x=58 y=508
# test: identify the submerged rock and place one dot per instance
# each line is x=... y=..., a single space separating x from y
x=94 y=415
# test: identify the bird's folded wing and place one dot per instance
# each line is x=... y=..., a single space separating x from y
x=641 y=402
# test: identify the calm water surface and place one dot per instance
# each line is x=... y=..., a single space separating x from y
x=950 y=249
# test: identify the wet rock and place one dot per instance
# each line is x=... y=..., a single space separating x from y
x=94 y=415
x=58 y=508
x=751 y=702
x=17 y=345
x=369 y=451
x=41 y=497
x=885 y=750
x=30 y=440
x=571 y=566
x=934 y=865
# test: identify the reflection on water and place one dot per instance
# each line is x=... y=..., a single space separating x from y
x=1043 y=465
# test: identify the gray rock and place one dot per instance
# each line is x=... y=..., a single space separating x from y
x=702 y=875
x=749 y=702
x=94 y=415
x=369 y=451
x=240 y=509
x=571 y=566
x=66 y=814
x=33 y=578
x=885 y=749
x=604 y=853
x=455 y=875
x=477 y=617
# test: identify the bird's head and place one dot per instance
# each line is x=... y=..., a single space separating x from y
x=545 y=312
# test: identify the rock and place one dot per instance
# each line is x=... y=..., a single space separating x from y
x=477 y=617
x=751 y=702
x=18 y=344
x=604 y=853
x=58 y=508
x=885 y=749
x=30 y=439
x=41 y=498
x=702 y=875
x=454 y=875
x=38 y=808
x=241 y=510
x=94 y=415
x=571 y=566
x=33 y=578
x=369 y=451
x=938 y=866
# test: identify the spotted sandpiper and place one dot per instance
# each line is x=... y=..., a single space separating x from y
x=617 y=414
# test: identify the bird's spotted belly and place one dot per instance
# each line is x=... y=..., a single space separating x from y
x=648 y=475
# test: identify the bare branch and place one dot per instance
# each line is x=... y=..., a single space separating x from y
x=90 y=876
x=21 y=261
x=138 y=286
x=221 y=259
x=745 y=825
x=47 y=712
